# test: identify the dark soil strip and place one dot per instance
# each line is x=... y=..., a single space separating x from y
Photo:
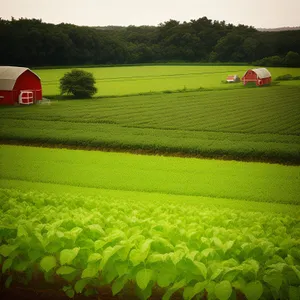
x=29 y=293
x=271 y=160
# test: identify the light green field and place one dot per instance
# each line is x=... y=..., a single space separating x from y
x=143 y=79
x=177 y=176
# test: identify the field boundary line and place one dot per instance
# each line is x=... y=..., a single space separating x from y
x=151 y=152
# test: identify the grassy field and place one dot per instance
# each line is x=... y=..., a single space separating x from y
x=142 y=225
x=250 y=123
x=143 y=79
x=179 y=176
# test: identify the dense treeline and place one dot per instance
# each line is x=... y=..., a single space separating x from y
x=34 y=43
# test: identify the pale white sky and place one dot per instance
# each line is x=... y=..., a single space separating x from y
x=257 y=13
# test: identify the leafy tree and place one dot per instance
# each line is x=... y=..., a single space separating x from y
x=79 y=83
x=292 y=59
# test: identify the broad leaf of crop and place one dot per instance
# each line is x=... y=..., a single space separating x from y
x=191 y=291
x=231 y=274
x=70 y=293
x=6 y=265
x=67 y=256
x=143 y=277
x=156 y=258
x=21 y=265
x=206 y=252
x=210 y=288
x=223 y=290
x=121 y=267
x=65 y=270
x=274 y=279
x=123 y=253
x=80 y=285
x=90 y=272
x=136 y=256
x=108 y=253
x=253 y=290
x=22 y=232
x=94 y=257
x=216 y=273
x=188 y=293
x=145 y=293
x=202 y=268
x=34 y=255
x=296 y=271
x=6 y=250
x=162 y=245
x=96 y=229
x=48 y=263
x=173 y=289
x=177 y=256
x=228 y=245
x=118 y=284
x=99 y=244
x=166 y=275
x=73 y=233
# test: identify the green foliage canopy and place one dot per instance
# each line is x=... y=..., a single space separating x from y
x=79 y=83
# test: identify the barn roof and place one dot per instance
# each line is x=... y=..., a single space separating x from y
x=9 y=75
x=261 y=72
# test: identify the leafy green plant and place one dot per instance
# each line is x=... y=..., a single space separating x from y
x=190 y=249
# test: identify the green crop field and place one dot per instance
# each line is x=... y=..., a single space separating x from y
x=143 y=79
x=249 y=123
x=179 y=176
x=114 y=225
x=141 y=225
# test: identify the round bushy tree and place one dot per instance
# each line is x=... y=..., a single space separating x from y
x=79 y=83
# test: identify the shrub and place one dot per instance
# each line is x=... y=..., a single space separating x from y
x=79 y=83
x=284 y=77
x=287 y=77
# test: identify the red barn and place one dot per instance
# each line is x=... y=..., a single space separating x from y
x=19 y=86
x=260 y=76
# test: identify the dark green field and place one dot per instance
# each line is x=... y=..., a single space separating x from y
x=244 y=124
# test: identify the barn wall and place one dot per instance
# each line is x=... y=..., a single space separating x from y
x=6 y=98
x=28 y=81
x=251 y=76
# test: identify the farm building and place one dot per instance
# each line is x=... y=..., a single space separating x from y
x=233 y=78
x=260 y=76
x=19 y=85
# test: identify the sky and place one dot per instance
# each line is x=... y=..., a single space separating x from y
x=257 y=13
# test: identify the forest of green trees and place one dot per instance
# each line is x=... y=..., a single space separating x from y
x=32 y=42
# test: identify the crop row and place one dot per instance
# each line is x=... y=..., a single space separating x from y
x=92 y=242
x=273 y=110
x=248 y=124
x=238 y=146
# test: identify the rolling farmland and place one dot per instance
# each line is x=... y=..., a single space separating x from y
x=95 y=222
x=87 y=224
x=260 y=124
x=144 y=79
